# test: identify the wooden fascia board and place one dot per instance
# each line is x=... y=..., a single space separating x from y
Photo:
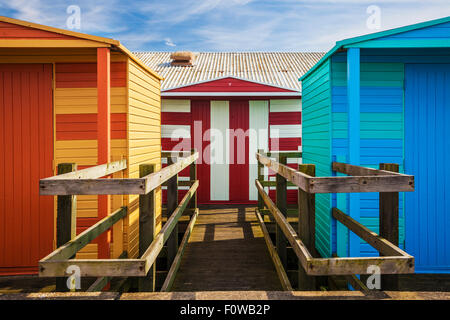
x=45 y=43
x=59 y=31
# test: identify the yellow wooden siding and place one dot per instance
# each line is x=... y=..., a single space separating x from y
x=84 y=100
x=144 y=141
x=88 y=252
x=84 y=153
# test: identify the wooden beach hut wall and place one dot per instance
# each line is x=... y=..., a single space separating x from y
x=385 y=98
x=232 y=91
x=67 y=97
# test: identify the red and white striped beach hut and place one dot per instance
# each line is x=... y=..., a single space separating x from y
x=207 y=100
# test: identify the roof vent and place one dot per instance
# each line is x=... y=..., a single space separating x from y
x=182 y=58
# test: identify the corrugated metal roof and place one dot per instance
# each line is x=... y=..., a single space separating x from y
x=274 y=68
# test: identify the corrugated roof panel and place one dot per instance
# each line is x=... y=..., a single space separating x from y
x=281 y=69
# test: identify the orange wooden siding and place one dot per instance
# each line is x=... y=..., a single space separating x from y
x=84 y=126
x=26 y=132
x=84 y=75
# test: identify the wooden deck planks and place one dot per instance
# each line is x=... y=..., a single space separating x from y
x=226 y=252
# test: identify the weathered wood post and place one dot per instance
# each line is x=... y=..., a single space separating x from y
x=261 y=179
x=281 y=202
x=172 y=204
x=147 y=226
x=192 y=177
x=306 y=226
x=389 y=224
x=66 y=220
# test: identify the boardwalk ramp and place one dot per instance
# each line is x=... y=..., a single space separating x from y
x=226 y=252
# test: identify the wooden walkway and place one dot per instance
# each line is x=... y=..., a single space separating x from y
x=226 y=251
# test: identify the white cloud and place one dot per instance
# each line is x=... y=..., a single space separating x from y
x=178 y=11
x=212 y=25
x=312 y=25
x=169 y=42
x=96 y=16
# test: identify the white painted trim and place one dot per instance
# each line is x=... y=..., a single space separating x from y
x=219 y=151
x=286 y=131
x=175 y=105
x=231 y=94
x=258 y=120
x=175 y=131
x=285 y=105
x=225 y=77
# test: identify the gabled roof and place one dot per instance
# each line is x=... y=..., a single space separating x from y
x=229 y=86
x=280 y=69
x=102 y=41
x=357 y=41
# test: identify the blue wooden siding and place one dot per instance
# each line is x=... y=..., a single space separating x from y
x=427 y=153
x=316 y=145
x=381 y=132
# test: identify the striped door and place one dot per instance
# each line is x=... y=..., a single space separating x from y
x=225 y=174
x=238 y=150
x=427 y=157
x=26 y=135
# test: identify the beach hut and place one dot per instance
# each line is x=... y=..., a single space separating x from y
x=67 y=97
x=207 y=97
x=385 y=98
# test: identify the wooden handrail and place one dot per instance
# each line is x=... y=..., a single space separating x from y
x=168 y=282
x=166 y=154
x=297 y=245
x=84 y=238
x=383 y=246
x=92 y=172
x=286 y=154
x=154 y=180
x=83 y=182
x=297 y=178
x=402 y=263
x=388 y=182
x=154 y=249
x=353 y=170
x=113 y=186
x=284 y=279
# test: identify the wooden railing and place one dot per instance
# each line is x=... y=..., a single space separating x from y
x=392 y=260
x=72 y=182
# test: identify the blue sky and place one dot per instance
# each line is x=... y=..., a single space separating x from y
x=226 y=25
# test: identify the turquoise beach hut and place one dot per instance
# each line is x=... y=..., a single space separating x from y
x=385 y=98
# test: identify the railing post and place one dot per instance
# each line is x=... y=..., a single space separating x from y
x=192 y=177
x=281 y=202
x=306 y=226
x=261 y=179
x=146 y=228
x=389 y=224
x=172 y=204
x=66 y=219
